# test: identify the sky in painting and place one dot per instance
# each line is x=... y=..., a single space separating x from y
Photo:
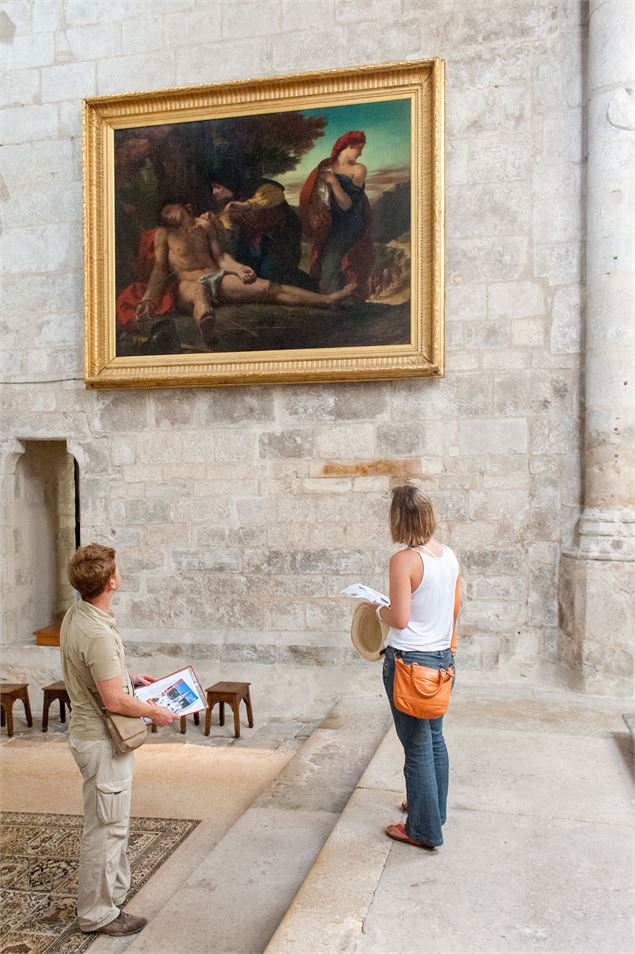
x=387 y=151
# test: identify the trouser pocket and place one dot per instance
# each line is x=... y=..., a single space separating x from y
x=86 y=755
x=113 y=801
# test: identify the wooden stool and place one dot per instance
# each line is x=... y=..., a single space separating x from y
x=9 y=692
x=57 y=690
x=233 y=693
x=183 y=722
x=48 y=635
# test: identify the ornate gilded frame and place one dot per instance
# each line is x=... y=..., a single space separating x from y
x=422 y=82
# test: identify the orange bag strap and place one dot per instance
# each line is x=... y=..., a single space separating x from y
x=409 y=671
x=457 y=605
x=427 y=695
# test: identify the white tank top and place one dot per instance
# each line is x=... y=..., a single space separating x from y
x=432 y=606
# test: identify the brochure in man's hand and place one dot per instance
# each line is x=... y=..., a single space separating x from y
x=180 y=691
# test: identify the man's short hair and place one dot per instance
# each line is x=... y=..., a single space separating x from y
x=90 y=568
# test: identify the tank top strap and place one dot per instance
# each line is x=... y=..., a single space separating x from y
x=429 y=551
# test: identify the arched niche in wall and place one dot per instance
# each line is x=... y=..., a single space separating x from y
x=45 y=530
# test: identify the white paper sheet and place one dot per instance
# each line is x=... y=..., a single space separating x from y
x=362 y=592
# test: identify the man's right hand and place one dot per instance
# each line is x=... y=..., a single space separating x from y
x=246 y=274
x=160 y=715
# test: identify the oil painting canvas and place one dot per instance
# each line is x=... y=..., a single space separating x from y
x=299 y=242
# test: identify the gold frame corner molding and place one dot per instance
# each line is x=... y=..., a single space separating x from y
x=396 y=331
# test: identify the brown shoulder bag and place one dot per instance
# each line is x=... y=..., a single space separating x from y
x=126 y=732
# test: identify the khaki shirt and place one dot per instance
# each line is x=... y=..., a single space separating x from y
x=91 y=651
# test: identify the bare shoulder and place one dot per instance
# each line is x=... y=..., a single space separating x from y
x=403 y=559
x=359 y=172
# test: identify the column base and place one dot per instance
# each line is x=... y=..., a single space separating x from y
x=596 y=600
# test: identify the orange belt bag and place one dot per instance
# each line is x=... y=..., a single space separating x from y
x=420 y=691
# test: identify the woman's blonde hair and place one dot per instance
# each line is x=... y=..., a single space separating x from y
x=412 y=518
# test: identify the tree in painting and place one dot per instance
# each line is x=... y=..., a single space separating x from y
x=241 y=177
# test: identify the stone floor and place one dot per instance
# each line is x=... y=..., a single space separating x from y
x=223 y=775
x=539 y=842
x=268 y=802
x=538 y=856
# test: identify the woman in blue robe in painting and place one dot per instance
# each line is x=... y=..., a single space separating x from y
x=335 y=212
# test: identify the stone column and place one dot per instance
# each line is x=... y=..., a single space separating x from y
x=597 y=584
x=10 y=452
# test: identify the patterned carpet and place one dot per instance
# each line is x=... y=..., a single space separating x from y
x=38 y=876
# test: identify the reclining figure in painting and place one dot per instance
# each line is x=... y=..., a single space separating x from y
x=188 y=248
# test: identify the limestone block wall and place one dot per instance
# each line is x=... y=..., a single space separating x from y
x=44 y=533
x=239 y=514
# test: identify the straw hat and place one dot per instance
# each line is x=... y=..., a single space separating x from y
x=367 y=633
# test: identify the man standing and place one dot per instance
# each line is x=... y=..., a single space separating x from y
x=96 y=677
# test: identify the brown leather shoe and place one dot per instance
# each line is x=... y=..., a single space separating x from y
x=122 y=925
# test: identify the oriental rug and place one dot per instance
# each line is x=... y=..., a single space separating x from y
x=39 y=856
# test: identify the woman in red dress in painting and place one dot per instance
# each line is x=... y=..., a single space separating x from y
x=335 y=212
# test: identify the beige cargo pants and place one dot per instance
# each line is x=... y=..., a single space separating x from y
x=104 y=872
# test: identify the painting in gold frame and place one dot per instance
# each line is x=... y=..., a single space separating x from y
x=287 y=229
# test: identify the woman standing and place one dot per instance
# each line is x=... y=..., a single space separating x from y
x=335 y=211
x=424 y=605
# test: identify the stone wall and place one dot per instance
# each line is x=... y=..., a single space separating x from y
x=238 y=515
x=44 y=522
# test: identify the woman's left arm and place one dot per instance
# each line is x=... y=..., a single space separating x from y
x=397 y=614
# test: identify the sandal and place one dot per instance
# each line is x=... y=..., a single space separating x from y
x=398 y=833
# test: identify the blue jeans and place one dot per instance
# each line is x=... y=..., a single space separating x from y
x=426 y=766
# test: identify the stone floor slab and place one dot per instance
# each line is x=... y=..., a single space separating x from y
x=547 y=774
x=385 y=771
x=237 y=897
x=538 y=856
x=349 y=865
x=222 y=783
x=316 y=933
x=531 y=885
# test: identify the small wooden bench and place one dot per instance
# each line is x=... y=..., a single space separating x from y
x=9 y=693
x=56 y=691
x=232 y=693
x=48 y=635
